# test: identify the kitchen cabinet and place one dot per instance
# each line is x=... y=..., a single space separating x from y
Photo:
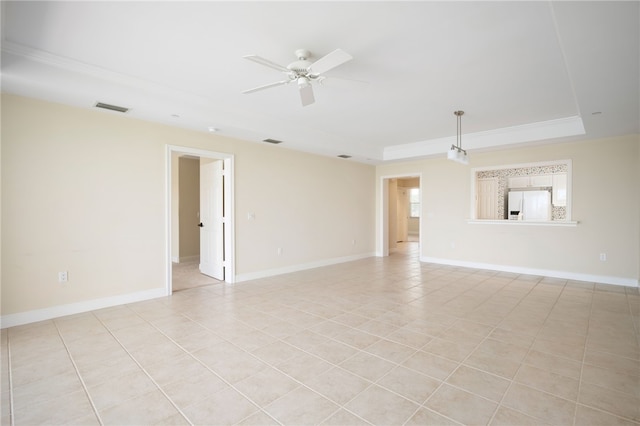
x=559 y=193
x=540 y=181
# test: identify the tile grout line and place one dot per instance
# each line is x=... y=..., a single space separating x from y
x=77 y=371
x=584 y=356
x=260 y=408
x=141 y=367
x=512 y=381
x=12 y=413
x=460 y=363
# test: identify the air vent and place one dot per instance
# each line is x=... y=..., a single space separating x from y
x=273 y=141
x=344 y=156
x=111 y=107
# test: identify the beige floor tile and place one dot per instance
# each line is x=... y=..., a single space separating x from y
x=566 y=350
x=479 y=382
x=120 y=388
x=507 y=417
x=334 y=352
x=382 y=407
x=102 y=370
x=259 y=418
x=461 y=406
x=431 y=365
x=367 y=366
x=391 y=351
x=278 y=340
x=616 y=403
x=45 y=389
x=356 y=338
x=266 y=386
x=67 y=408
x=546 y=381
x=337 y=384
x=503 y=350
x=277 y=352
x=409 y=384
x=48 y=366
x=149 y=408
x=343 y=418
x=446 y=349
x=425 y=416
x=302 y=406
x=378 y=328
x=588 y=416
x=554 y=364
x=410 y=338
x=222 y=408
x=606 y=378
x=188 y=388
x=612 y=362
x=540 y=405
x=519 y=339
x=492 y=364
x=304 y=367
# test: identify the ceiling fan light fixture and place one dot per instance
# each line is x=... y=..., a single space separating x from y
x=303 y=82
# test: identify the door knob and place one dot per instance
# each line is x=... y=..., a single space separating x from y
x=200 y=225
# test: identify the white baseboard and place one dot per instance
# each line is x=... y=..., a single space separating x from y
x=600 y=279
x=29 y=317
x=301 y=267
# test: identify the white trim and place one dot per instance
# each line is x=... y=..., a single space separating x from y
x=600 y=279
x=571 y=223
x=301 y=267
x=29 y=317
x=229 y=188
x=507 y=136
x=382 y=232
x=474 y=187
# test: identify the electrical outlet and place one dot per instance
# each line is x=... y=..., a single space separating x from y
x=279 y=251
x=603 y=257
x=63 y=276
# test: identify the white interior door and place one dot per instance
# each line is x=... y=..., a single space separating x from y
x=212 y=218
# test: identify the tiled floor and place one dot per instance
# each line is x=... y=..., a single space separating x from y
x=377 y=341
x=187 y=275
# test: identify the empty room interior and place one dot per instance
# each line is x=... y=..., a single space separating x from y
x=320 y=213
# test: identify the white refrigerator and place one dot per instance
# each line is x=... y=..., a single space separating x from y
x=534 y=205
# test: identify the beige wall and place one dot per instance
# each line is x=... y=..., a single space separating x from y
x=606 y=204
x=85 y=191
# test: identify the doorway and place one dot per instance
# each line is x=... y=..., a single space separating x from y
x=202 y=243
x=400 y=218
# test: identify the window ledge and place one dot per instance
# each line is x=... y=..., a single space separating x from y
x=522 y=222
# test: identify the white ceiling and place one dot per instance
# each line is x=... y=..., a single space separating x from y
x=523 y=72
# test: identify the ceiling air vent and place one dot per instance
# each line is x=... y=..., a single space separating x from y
x=344 y=156
x=273 y=141
x=111 y=107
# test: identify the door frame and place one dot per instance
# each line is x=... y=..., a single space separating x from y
x=382 y=232
x=229 y=238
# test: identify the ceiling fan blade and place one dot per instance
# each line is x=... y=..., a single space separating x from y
x=267 y=86
x=329 y=61
x=267 y=63
x=306 y=95
x=342 y=83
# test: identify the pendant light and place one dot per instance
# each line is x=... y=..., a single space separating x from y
x=456 y=153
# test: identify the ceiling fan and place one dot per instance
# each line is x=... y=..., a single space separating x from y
x=303 y=71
